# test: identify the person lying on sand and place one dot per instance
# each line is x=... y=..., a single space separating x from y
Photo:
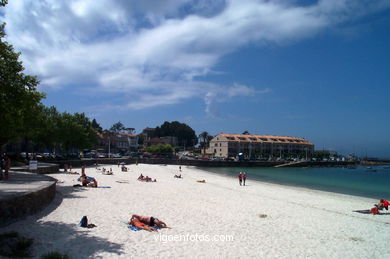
x=108 y=173
x=201 y=181
x=88 y=183
x=151 y=221
x=375 y=211
x=178 y=176
x=137 y=223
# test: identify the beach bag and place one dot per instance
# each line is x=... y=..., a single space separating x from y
x=84 y=222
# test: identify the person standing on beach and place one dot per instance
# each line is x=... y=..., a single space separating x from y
x=240 y=178
x=7 y=166
x=244 y=178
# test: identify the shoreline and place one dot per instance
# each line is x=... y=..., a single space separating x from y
x=264 y=219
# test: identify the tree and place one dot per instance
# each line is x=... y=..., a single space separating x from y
x=117 y=127
x=205 y=140
x=96 y=126
x=246 y=133
x=184 y=133
x=160 y=149
x=19 y=97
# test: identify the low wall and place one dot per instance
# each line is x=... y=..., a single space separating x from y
x=43 y=168
x=199 y=163
x=19 y=206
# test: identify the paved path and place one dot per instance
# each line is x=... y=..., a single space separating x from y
x=21 y=183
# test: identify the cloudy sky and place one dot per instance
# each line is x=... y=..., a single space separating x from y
x=313 y=69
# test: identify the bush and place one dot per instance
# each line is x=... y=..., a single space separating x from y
x=14 y=245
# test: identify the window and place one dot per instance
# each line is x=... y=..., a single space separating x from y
x=220 y=144
x=220 y=149
x=216 y=144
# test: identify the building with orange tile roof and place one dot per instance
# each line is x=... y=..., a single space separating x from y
x=259 y=146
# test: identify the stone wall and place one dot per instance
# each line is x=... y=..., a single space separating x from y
x=15 y=208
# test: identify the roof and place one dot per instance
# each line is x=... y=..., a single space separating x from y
x=264 y=138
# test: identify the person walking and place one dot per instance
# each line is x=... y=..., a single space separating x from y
x=244 y=178
x=240 y=178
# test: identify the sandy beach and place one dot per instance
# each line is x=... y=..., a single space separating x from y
x=218 y=218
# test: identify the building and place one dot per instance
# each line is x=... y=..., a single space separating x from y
x=258 y=146
x=118 y=142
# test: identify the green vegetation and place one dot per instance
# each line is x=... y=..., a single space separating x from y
x=15 y=246
x=184 y=133
x=19 y=97
x=161 y=149
x=24 y=117
x=205 y=140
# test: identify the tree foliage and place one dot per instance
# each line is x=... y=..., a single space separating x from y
x=160 y=149
x=19 y=97
x=204 y=138
x=184 y=133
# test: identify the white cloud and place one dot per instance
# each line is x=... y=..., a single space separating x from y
x=155 y=50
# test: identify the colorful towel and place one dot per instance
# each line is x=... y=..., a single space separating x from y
x=138 y=229
x=133 y=228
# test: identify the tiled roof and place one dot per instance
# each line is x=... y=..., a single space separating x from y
x=265 y=138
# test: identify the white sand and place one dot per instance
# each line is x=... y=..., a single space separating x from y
x=300 y=223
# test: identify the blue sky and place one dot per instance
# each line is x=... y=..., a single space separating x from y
x=313 y=69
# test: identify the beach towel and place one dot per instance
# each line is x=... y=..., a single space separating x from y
x=133 y=228
x=138 y=229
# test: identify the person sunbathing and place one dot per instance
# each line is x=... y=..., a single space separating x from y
x=201 y=181
x=137 y=223
x=151 y=221
x=383 y=204
x=177 y=176
x=88 y=182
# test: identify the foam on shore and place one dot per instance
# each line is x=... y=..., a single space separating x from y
x=260 y=220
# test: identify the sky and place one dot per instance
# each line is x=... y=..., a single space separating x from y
x=313 y=69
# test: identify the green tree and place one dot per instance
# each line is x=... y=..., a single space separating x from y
x=204 y=140
x=117 y=127
x=19 y=97
x=184 y=133
x=96 y=126
x=160 y=149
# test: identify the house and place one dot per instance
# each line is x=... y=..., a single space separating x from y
x=260 y=146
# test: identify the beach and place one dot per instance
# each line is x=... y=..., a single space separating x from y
x=218 y=218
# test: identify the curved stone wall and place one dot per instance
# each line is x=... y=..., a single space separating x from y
x=24 y=194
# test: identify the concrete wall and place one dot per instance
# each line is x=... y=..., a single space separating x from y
x=15 y=208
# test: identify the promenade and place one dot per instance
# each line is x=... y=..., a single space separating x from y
x=24 y=194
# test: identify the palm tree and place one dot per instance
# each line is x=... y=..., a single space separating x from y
x=204 y=137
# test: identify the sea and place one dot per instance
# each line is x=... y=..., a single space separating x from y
x=373 y=182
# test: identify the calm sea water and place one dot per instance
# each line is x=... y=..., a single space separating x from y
x=358 y=182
